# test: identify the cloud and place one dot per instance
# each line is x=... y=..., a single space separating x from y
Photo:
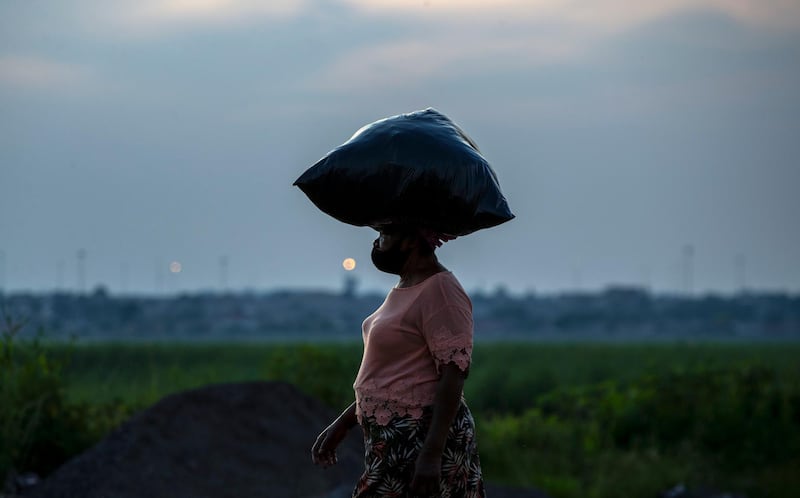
x=147 y=18
x=448 y=37
x=407 y=62
x=770 y=13
x=598 y=13
x=40 y=73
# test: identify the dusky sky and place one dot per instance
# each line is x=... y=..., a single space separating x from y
x=622 y=132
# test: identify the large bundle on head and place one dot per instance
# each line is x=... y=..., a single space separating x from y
x=413 y=169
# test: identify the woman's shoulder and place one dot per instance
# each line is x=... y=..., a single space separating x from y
x=446 y=290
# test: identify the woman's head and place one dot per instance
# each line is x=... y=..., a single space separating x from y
x=397 y=243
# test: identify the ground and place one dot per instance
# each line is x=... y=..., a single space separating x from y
x=225 y=440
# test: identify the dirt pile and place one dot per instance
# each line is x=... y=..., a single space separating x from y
x=225 y=440
x=247 y=439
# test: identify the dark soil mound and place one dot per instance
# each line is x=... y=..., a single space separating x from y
x=238 y=440
x=227 y=440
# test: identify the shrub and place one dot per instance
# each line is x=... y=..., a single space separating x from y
x=39 y=429
x=323 y=373
x=737 y=427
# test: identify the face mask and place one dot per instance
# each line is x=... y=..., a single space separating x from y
x=391 y=260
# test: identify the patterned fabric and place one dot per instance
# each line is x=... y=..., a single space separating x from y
x=391 y=451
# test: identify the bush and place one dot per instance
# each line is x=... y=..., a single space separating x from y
x=325 y=374
x=746 y=417
x=39 y=429
x=736 y=427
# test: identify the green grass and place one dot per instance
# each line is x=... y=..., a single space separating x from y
x=508 y=377
x=142 y=373
x=576 y=419
x=504 y=377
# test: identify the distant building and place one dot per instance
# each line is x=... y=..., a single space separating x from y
x=350 y=286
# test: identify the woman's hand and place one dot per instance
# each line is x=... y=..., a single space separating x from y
x=323 y=452
x=427 y=473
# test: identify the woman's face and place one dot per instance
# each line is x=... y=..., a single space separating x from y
x=386 y=240
x=389 y=254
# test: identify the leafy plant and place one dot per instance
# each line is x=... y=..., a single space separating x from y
x=39 y=428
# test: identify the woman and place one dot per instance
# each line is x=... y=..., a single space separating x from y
x=419 y=434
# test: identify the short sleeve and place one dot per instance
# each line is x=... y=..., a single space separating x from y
x=448 y=333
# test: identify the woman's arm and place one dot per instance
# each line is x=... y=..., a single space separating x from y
x=445 y=406
x=324 y=450
x=348 y=417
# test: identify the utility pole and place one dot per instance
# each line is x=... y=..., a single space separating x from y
x=688 y=268
x=576 y=277
x=159 y=277
x=741 y=272
x=2 y=271
x=81 y=255
x=60 y=275
x=223 y=273
x=123 y=277
x=646 y=283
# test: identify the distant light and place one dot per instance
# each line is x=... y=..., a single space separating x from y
x=349 y=264
x=175 y=267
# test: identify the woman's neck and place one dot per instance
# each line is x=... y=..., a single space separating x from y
x=418 y=269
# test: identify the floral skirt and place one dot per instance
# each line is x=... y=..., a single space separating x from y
x=391 y=453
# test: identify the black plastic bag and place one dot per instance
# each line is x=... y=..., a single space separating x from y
x=418 y=168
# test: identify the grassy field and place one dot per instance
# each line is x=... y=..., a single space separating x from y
x=577 y=419
x=505 y=377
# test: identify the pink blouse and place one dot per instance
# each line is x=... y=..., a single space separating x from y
x=406 y=340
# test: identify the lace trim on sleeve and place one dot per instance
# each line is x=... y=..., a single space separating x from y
x=449 y=348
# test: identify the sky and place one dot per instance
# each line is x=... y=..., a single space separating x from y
x=638 y=143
